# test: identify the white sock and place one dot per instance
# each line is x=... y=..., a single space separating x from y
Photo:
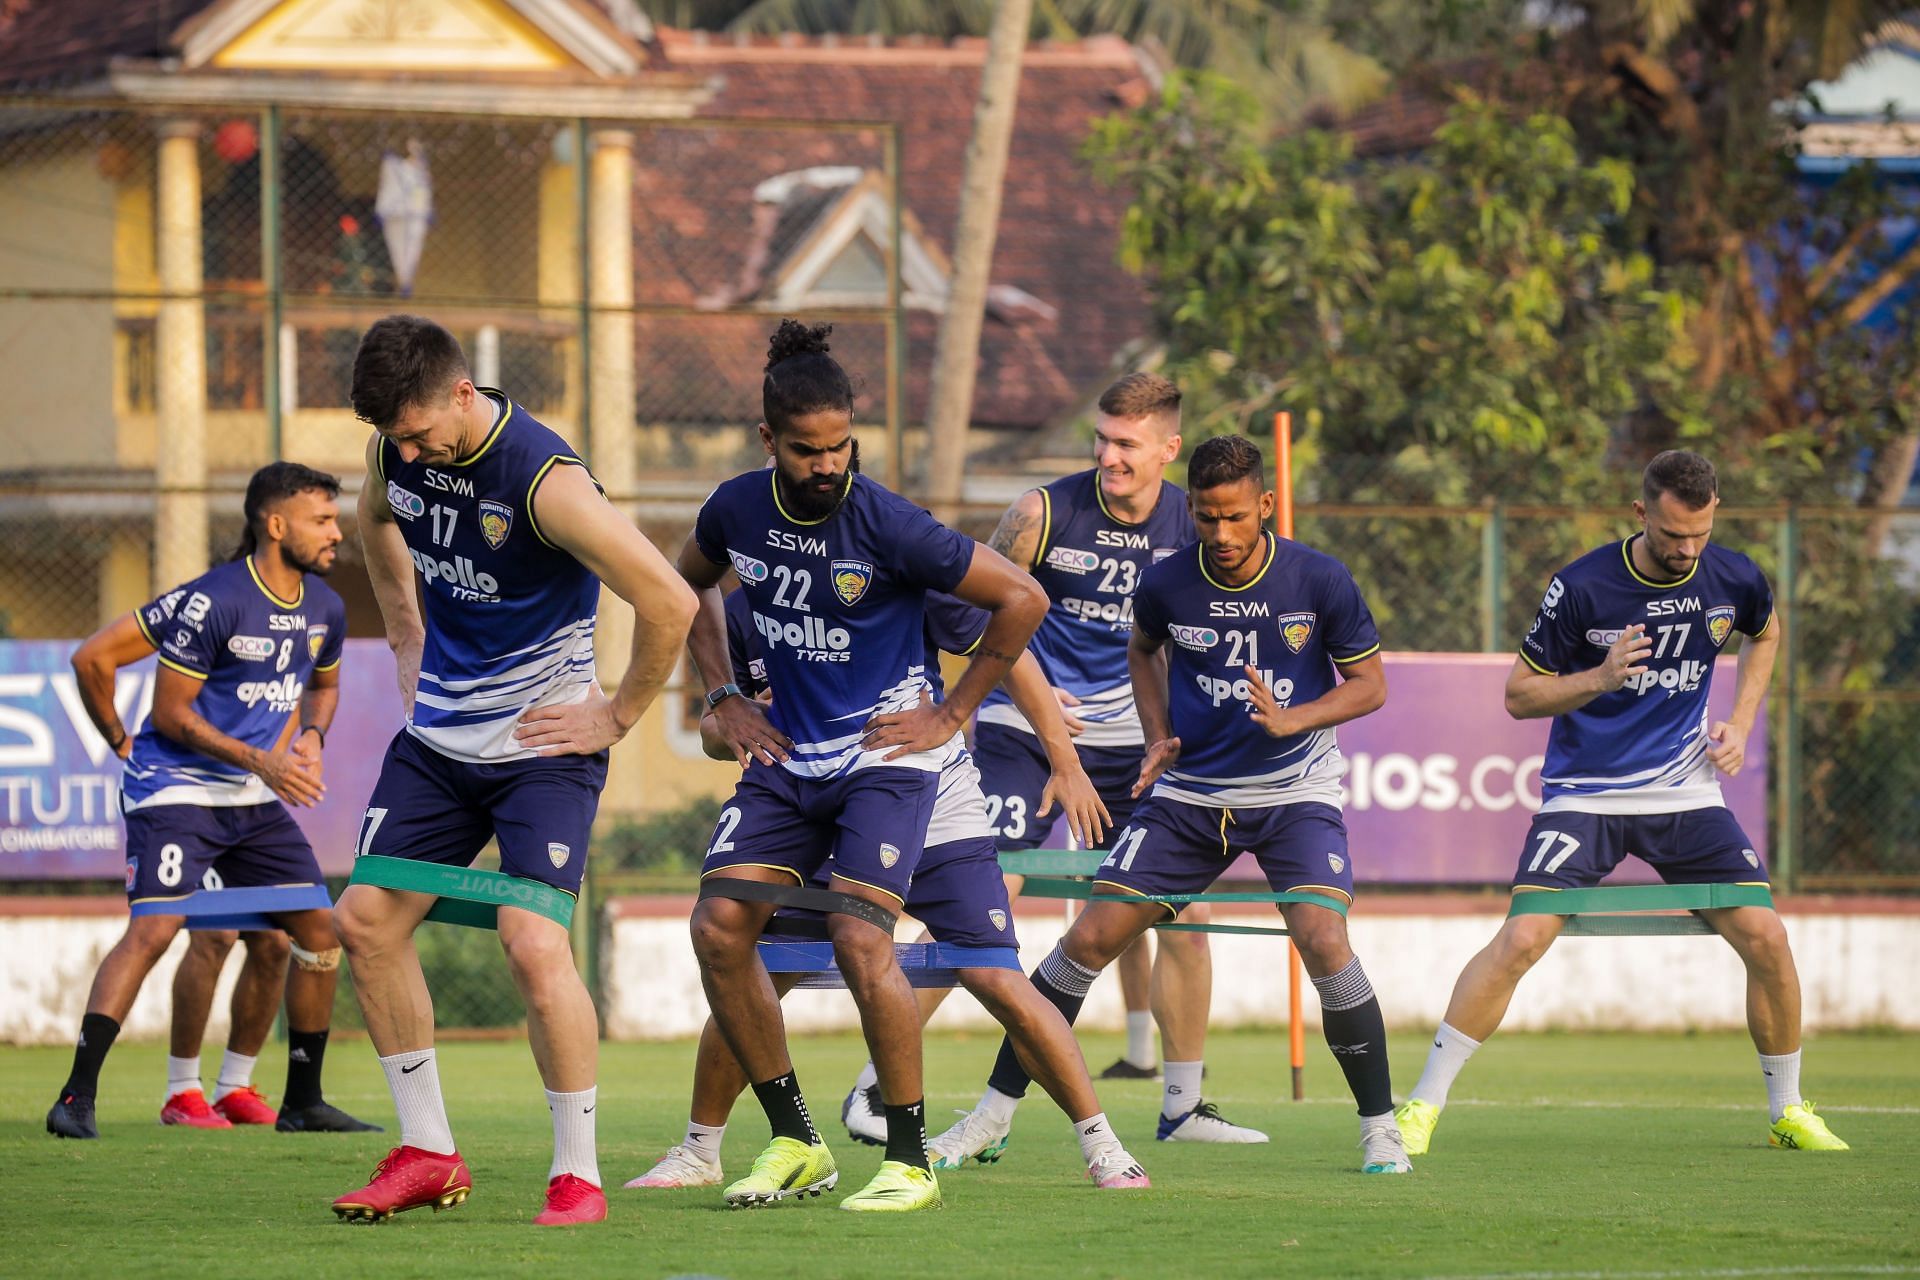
x=1783 y=1081
x=1450 y=1052
x=1096 y=1137
x=1180 y=1091
x=573 y=1150
x=182 y=1074
x=869 y=1076
x=703 y=1140
x=414 y=1079
x=998 y=1106
x=1140 y=1038
x=236 y=1073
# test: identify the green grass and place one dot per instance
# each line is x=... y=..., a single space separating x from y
x=1562 y=1156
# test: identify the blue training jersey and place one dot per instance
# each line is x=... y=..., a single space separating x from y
x=1643 y=747
x=509 y=615
x=1299 y=620
x=255 y=654
x=1090 y=563
x=839 y=605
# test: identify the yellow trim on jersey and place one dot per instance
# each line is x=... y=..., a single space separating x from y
x=185 y=671
x=141 y=623
x=267 y=591
x=380 y=456
x=1356 y=657
x=1768 y=626
x=534 y=484
x=1201 y=550
x=1536 y=666
x=1046 y=527
x=765 y=865
x=846 y=490
x=331 y=666
x=968 y=651
x=493 y=432
x=1100 y=497
x=1627 y=556
x=1173 y=912
x=864 y=885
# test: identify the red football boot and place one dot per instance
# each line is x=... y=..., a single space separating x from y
x=189 y=1107
x=246 y=1106
x=408 y=1178
x=571 y=1200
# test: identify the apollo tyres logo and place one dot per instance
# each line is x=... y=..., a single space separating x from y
x=810 y=638
x=282 y=694
x=464 y=579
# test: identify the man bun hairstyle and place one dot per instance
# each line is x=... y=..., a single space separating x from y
x=801 y=377
x=1225 y=460
x=270 y=486
x=1682 y=473
x=404 y=362
x=1141 y=393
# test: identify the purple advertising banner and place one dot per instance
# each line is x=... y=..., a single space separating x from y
x=1441 y=782
x=60 y=786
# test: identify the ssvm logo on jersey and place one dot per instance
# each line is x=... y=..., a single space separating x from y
x=496 y=522
x=1296 y=629
x=851 y=578
x=1719 y=624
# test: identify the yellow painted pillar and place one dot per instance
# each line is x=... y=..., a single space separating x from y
x=180 y=356
x=125 y=581
x=611 y=442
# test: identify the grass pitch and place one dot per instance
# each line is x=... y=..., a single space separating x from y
x=1561 y=1156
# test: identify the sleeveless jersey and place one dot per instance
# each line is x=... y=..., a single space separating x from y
x=839 y=606
x=256 y=654
x=1643 y=747
x=1090 y=564
x=1295 y=624
x=509 y=615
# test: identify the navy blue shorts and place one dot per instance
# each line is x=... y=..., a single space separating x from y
x=430 y=808
x=1175 y=847
x=1695 y=846
x=871 y=823
x=1014 y=773
x=958 y=893
x=174 y=849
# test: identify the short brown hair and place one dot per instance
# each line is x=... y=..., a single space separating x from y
x=1139 y=394
x=1682 y=473
x=403 y=362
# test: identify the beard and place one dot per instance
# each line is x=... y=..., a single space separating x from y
x=312 y=564
x=809 y=501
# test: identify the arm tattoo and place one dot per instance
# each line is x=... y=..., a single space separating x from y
x=984 y=652
x=1014 y=528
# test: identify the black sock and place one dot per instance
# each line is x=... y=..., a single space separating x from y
x=1065 y=984
x=907 y=1134
x=786 y=1109
x=1357 y=1034
x=97 y=1031
x=305 y=1052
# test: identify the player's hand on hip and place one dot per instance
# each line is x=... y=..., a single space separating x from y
x=1726 y=748
x=1266 y=709
x=1160 y=757
x=745 y=729
x=571 y=728
x=291 y=777
x=307 y=747
x=1624 y=657
x=1087 y=818
x=920 y=728
x=1075 y=725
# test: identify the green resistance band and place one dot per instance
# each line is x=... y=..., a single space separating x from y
x=466 y=897
x=1612 y=911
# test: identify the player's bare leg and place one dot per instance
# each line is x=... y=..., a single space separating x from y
x=185 y=1101
x=1480 y=998
x=255 y=1001
x=375 y=926
x=115 y=984
x=257 y=991
x=1355 y=1029
x=1182 y=995
x=1759 y=937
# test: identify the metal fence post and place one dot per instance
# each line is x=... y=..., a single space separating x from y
x=272 y=279
x=1493 y=569
x=1786 y=773
x=896 y=318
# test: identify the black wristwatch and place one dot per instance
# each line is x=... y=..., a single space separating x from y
x=313 y=728
x=717 y=696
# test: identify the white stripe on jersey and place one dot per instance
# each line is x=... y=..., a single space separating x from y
x=836 y=756
x=1686 y=782
x=1316 y=779
x=227 y=795
x=959 y=810
x=1110 y=717
x=563 y=675
x=557 y=647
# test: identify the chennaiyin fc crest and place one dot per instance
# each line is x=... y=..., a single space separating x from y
x=851 y=578
x=1719 y=624
x=1296 y=629
x=496 y=522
